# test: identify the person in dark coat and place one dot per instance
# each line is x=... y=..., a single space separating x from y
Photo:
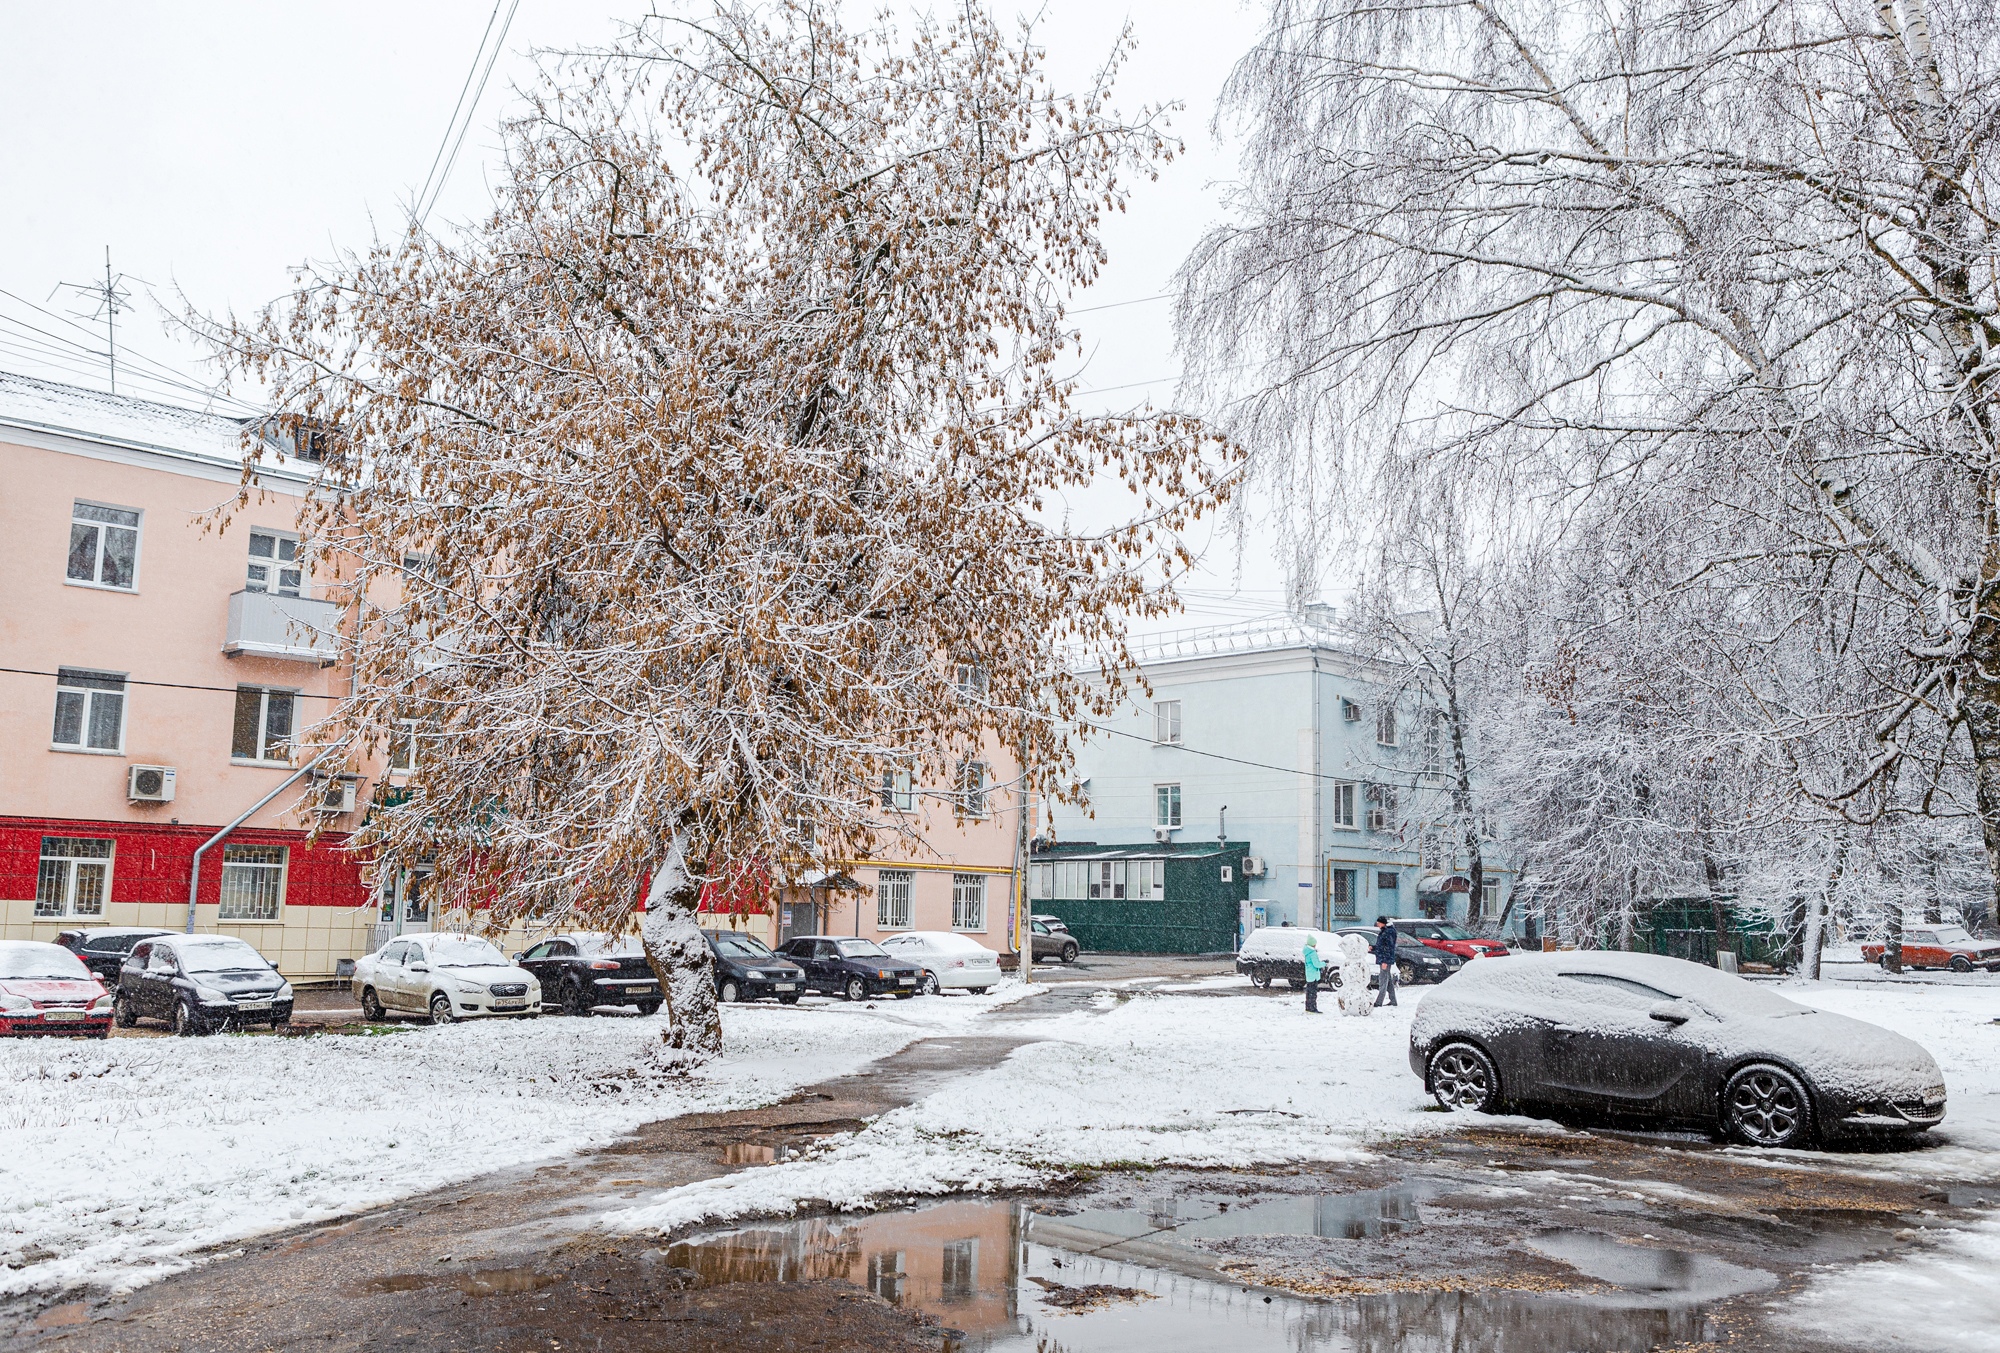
x=1385 y=960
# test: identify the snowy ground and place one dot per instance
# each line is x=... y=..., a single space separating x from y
x=120 y=1159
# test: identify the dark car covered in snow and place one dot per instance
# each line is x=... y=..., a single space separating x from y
x=103 y=948
x=747 y=970
x=583 y=970
x=1660 y=1042
x=198 y=984
x=851 y=967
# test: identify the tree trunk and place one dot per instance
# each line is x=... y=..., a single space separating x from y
x=1892 y=942
x=679 y=955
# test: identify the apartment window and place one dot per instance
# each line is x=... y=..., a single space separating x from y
x=1387 y=882
x=75 y=877
x=1166 y=805
x=892 y=898
x=972 y=788
x=103 y=546
x=1345 y=797
x=1350 y=712
x=263 y=729
x=1385 y=724
x=403 y=746
x=1489 y=895
x=1167 y=722
x=897 y=792
x=1432 y=723
x=90 y=711
x=968 y=901
x=253 y=883
x=958 y=1277
x=1381 y=807
x=971 y=679
x=1343 y=892
x=274 y=564
x=886 y=1276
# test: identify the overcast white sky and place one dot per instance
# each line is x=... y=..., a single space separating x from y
x=212 y=145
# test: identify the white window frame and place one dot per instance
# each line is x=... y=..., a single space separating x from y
x=98 y=528
x=973 y=786
x=90 y=696
x=1347 y=805
x=273 y=564
x=70 y=869
x=402 y=739
x=1489 y=895
x=1350 y=711
x=1167 y=723
x=895 y=898
x=898 y=792
x=260 y=874
x=972 y=678
x=1385 y=724
x=968 y=902
x=264 y=743
x=1167 y=805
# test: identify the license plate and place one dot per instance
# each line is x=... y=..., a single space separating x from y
x=906 y=981
x=253 y=1005
x=784 y=986
x=510 y=1005
x=62 y=1014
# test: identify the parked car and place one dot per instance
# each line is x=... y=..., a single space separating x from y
x=1277 y=953
x=950 y=961
x=103 y=948
x=854 y=968
x=1052 y=940
x=1414 y=962
x=1054 y=923
x=585 y=969
x=45 y=989
x=1450 y=937
x=746 y=969
x=200 y=983
x=1664 y=1042
x=445 y=977
x=1939 y=946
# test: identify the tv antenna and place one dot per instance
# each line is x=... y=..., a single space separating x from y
x=111 y=297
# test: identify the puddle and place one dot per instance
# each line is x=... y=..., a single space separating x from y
x=1973 y=1195
x=988 y=1272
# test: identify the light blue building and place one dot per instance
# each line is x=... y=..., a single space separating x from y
x=1272 y=733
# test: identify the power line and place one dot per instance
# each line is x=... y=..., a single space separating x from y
x=455 y=130
x=171 y=685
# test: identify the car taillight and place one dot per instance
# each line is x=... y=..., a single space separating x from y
x=604 y=963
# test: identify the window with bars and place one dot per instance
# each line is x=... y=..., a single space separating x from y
x=253 y=883
x=1166 y=805
x=103 y=546
x=893 y=890
x=274 y=564
x=75 y=877
x=1167 y=722
x=1343 y=892
x=968 y=901
x=90 y=711
x=263 y=726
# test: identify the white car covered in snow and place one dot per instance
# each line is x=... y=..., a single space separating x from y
x=444 y=978
x=951 y=962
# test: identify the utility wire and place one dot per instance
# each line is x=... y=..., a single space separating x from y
x=464 y=110
x=169 y=685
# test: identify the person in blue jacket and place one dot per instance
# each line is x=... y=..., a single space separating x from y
x=1315 y=968
x=1385 y=960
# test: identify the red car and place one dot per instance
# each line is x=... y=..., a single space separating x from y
x=45 y=989
x=1450 y=937
x=1940 y=946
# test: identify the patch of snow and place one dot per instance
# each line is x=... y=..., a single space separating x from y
x=1933 y=1299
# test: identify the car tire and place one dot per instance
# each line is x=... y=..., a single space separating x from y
x=1296 y=983
x=1069 y=953
x=1406 y=973
x=929 y=987
x=575 y=1000
x=728 y=992
x=188 y=1022
x=1960 y=963
x=979 y=991
x=789 y=998
x=372 y=1008
x=1260 y=978
x=1766 y=1105
x=441 y=1011
x=1463 y=1079
x=855 y=990
x=123 y=1013
x=649 y=1007
x=279 y=1026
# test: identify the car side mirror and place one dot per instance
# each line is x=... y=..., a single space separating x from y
x=518 y=957
x=1670 y=1012
x=420 y=967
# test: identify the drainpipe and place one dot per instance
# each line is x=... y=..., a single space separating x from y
x=194 y=872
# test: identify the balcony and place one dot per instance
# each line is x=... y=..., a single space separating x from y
x=299 y=629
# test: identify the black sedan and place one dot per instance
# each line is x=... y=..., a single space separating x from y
x=854 y=968
x=583 y=970
x=199 y=984
x=103 y=948
x=1662 y=1042
x=1415 y=962
x=746 y=970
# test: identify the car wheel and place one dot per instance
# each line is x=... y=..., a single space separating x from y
x=1960 y=963
x=1765 y=1105
x=930 y=984
x=441 y=1009
x=979 y=991
x=1463 y=1079
x=1887 y=966
x=1296 y=983
x=575 y=1000
x=856 y=989
x=123 y=1013
x=729 y=993
x=279 y=1026
x=187 y=1022
x=1406 y=973
x=649 y=1007
x=1069 y=953
x=789 y=998
x=372 y=1009
x=1260 y=977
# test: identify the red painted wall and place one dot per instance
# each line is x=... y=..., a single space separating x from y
x=150 y=863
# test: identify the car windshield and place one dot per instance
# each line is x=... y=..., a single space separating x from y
x=1445 y=930
x=221 y=956
x=1953 y=934
x=463 y=951
x=45 y=962
x=742 y=946
x=861 y=949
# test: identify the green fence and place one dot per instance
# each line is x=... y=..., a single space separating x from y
x=1170 y=927
x=1685 y=928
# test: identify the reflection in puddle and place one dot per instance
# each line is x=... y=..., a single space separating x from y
x=743 y=1153
x=982 y=1269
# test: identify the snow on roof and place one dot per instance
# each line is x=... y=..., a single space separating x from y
x=1265 y=634
x=36 y=405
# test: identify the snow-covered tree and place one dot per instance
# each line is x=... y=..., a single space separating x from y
x=702 y=485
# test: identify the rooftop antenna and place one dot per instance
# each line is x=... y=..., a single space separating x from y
x=111 y=297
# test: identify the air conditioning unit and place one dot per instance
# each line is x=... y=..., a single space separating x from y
x=1163 y=835
x=335 y=797
x=149 y=784
x=1378 y=819
x=1253 y=867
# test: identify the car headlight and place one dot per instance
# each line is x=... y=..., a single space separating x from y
x=284 y=992
x=101 y=1004
x=9 y=1001
x=882 y=973
x=210 y=996
x=468 y=987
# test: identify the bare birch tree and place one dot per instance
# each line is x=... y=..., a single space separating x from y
x=700 y=486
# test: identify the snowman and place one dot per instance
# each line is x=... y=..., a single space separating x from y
x=1355 y=998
